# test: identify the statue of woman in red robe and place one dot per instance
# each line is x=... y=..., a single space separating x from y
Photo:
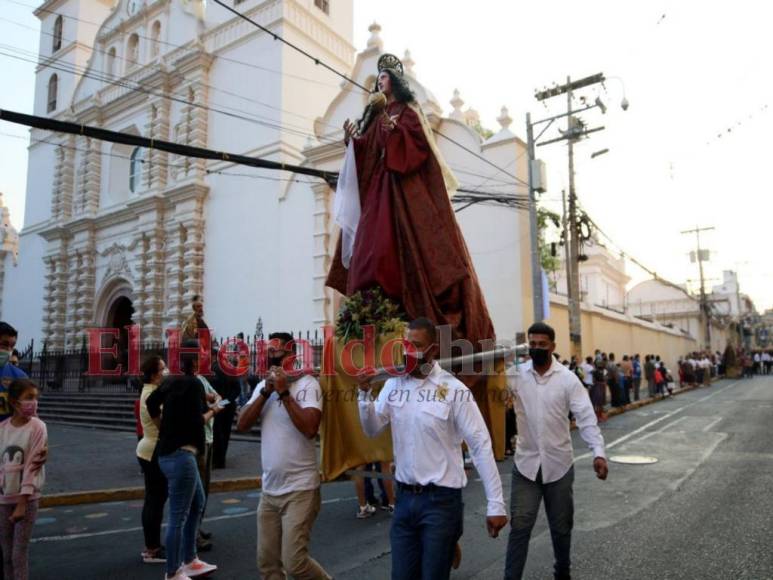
x=407 y=239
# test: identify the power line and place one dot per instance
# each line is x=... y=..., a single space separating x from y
x=69 y=69
x=166 y=43
x=137 y=63
x=320 y=62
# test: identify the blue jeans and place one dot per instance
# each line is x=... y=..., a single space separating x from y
x=186 y=504
x=425 y=529
x=525 y=497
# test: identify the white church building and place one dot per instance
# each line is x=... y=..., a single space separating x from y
x=114 y=234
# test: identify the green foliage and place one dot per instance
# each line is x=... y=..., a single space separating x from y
x=545 y=218
x=368 y=307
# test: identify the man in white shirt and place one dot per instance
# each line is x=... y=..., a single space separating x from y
x=431 y=413
x=290 y=413
x=543 y=466
x=587 y=372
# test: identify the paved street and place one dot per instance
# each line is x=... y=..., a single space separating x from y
x=702 y=511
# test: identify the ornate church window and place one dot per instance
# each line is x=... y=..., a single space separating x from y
x=53 y=88
x=57 y=34
x=110 y=65
x=155 y=39
x=136 y=162
x=132 y=52
x=323 y=5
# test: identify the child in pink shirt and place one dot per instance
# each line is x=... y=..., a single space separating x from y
x=23 y=449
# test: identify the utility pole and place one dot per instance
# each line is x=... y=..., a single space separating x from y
x=573 y=283
x=536 y=266
x=575 y=131
x=704 y=304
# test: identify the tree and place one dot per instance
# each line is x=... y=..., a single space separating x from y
x=549 y=261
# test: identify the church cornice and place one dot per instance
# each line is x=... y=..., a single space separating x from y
x=59 y=54
x=149 y=11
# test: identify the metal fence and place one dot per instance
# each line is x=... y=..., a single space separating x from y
x=68 y=370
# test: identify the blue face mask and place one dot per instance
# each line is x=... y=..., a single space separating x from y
x=5 y=356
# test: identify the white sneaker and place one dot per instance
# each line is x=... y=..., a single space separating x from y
x=198 y=568
x=366 y=511
x=179 y=575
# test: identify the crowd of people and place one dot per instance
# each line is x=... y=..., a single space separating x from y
x=186 y=420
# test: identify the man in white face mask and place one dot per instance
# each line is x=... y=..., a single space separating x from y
x=431 y=413
x=8 y=371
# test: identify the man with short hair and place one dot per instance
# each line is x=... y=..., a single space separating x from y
x=544 y=396
x=8 y=371
x=587 y=372
x=431 y=413
x=290 y=412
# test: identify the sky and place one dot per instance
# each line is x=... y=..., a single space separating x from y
x=692 y=149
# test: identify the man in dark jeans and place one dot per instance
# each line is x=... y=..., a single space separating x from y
x=229 y=388
x=427 y=428
x=544 y=393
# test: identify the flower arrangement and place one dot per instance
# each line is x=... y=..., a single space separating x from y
x=368 y=307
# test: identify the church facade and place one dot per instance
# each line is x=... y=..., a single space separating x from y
x=115 y=235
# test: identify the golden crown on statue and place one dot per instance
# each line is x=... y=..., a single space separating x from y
x=390 y=62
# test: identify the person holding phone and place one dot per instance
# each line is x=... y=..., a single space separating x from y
x=289 y=412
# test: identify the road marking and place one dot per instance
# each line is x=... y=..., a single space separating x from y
x=635 y=432
x=68 y=537
x=708 y=427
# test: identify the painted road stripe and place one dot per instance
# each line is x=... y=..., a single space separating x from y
x=625 y=438
x=251 y=512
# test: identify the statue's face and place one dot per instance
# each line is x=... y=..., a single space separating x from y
x=385 y=83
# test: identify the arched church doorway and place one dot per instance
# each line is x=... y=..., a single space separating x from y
x=115 y=311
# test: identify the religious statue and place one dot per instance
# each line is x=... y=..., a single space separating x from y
x=398 y=229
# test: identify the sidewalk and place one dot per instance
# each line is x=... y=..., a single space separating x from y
x=85 y=459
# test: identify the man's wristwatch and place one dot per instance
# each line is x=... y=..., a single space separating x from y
x=284 y=394
x=265 y=393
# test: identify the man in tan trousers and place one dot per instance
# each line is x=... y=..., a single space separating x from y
x=289 y=413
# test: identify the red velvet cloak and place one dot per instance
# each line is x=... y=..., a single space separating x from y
x=408 y=241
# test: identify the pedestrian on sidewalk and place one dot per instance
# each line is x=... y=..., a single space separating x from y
x=228 y=387
x=598 y=395
x=431 y=412
x=204 y=460
x=649 y=375
x=588 y=369
x=180 y=440
x=545 y=393
x=613 y=381
x=23 y=449
x=636 y=376
x=8 y=371
x=156 y=491
x=290 y=412
x=627 y=368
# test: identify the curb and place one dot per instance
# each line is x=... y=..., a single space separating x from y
x=135 y=493
x=614 y=411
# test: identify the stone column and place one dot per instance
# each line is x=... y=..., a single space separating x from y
x=67 y=181
x=322 y=256
x=48 y=312
x=158 y=160
x=175 y=248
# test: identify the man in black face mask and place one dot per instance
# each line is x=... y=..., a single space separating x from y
x=289 y=411
x=545 y=392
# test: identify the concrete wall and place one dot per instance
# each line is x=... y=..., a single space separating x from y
x=620 y=334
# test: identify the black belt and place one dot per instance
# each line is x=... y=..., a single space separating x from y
x=417 y=489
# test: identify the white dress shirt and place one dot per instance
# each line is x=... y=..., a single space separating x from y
x=430 y=418
x=542 y=406
x=587 y=370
